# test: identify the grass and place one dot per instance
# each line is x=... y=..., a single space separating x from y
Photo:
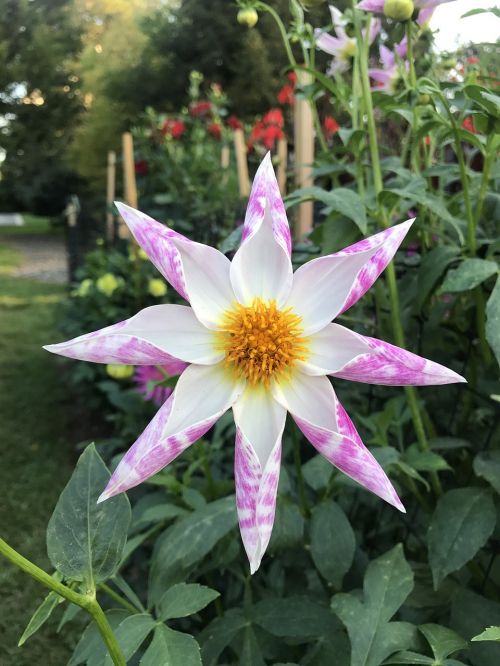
x=33 y=224
x=35 y=455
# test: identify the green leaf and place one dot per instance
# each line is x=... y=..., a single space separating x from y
x=131 y=634
x=85 y=540
x=489 y=634
x=482 y=97
x=473 y=12
x=410 y=658
x=487 y=465
x=493 y=320
x=341 y=200
x=463 y=521
x=468 y=275
x=185 y=599
x=293 y=617
x=219 y=633
x=188 y=541
x=470 y=614
x=424 y=461
x=288 y=530
x=171 y=648
x=388 y=581
x=317 y=472
x=432 y=267
x=443 y=641
x=332 y=541
x=41 y=615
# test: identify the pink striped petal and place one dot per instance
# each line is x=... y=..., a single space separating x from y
x=329 y=44
x=387 y=364
x=325 y=287
x=198 y=272
x=265 y=194
x=260 y=422
x=202 y=395
x=317 y=412
x=386 y=57
x=158 y=335
x=372 y=6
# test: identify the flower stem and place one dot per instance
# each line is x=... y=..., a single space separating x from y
x=86 y=601
x=397 y=328
x=116 y=597
x=263 y=6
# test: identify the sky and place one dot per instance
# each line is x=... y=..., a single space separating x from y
x=454 y=30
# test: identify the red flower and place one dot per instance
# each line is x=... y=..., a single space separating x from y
x=274 y=117
x=173 y=128
x=270 y=135
x=141 y=167
x=292 y=77
x=234 y=123
x=468 y=125
x=215 y=130
x=330 y=126
x=200 y=109
x=427 y=140
x=285 y=95
x=472 y=60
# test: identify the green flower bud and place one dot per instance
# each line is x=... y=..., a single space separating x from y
x=399 y=10
x=120 y=371
x=157 y=288
x=248 y=17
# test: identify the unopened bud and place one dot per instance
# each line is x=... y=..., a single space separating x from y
x=248 y=17
x=399 y=10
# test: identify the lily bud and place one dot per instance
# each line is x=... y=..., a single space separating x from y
x=248 y=17
x=399 y=10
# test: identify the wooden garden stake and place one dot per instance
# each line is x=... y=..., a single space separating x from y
x=224 y=157
x=282 y=156
x=304 y=156
x=129 y=183
x=241 y=162
x=110 y=195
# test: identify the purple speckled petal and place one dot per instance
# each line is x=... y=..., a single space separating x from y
x=317 y=412
x=198 y=272
x=424 y=16
x=260 y=422
x=372 y=6
x=386 y=57
x=156 y=335
x=265 y=194
x=329 y=44
x=202 y=395
x=325 y=287
x=387 y=364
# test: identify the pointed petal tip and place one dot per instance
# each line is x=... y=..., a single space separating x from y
x=105 y=495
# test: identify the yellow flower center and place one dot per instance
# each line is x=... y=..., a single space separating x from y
x=262 y=342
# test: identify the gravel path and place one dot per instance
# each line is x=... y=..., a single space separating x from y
x=44 y=257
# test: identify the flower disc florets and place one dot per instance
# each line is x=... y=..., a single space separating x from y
x=262 y=342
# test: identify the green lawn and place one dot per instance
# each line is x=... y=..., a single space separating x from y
x=33 y=224
x=36 y=458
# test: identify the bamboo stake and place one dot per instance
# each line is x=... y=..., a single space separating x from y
x=110 y=195
x=129 y=183
x=241 y=163
x=282 y=156
x=224 y=157
x=304 y=156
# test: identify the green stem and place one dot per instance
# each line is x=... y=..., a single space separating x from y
x=120 y=600
x=266 y=8
x=86 y=601
x=411 y=394
x=488 y=162
x=409 y=49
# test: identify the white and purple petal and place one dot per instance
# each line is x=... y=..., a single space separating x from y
x=320 y=416
x=265 y=195
x=387 y=364
x=325 y=287
x=157 y=335
x=202 y=395
x=260 y=422
x=199 y=273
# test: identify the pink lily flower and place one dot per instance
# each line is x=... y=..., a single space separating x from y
x=342 y=47
x=377 y=6
x=387 y=78
x=258 y=339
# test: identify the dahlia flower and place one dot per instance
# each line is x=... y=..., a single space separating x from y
x=342 y=47
x=259 y=339
x=387 y=77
